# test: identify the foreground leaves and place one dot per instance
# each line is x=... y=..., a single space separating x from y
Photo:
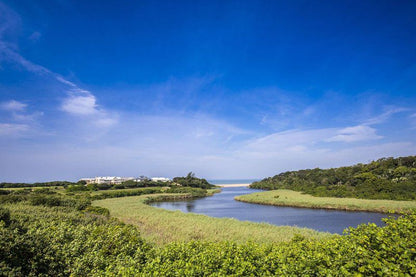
x=63 y=241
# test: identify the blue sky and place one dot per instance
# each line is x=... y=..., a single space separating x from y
x=227 y=89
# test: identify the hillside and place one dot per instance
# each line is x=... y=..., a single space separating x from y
x=386 y=178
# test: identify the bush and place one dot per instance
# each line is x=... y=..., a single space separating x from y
x=123 y=193
x=5 y=216
x=195 y=192
x=98 y=210
x=191 y=181
x=5 y=192
x=74 y=188
x=56 y=201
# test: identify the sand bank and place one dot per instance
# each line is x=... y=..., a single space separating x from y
x=232 y=185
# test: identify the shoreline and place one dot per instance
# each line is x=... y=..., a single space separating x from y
x=232 y=185
x=162 y=226
x=288 y=198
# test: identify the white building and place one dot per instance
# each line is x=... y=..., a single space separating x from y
x=107 y=180
x=114 y=180
x=160 y=179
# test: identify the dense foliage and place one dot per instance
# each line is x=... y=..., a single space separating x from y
x=124 y=193
x=40 y=184
x=191 y=181
x=387 y=178
x=44 y=238
x=195 y=192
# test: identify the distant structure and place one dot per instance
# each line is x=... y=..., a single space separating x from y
x=160 y=179
x=114 y=180
x=107 y=180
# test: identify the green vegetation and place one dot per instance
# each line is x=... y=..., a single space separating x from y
x=386 y=178
x=45 y=232
x=297 y=199
x=129 y=185
x=44 y=184
x=123 y=193
x=191 y=181
x=162 y=226
x=64 y=240
x=61 y=241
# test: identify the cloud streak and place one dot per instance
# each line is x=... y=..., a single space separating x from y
x=13 y=105
x=80 y=104
x=354 y=134
x=77 y=102
x=13 y=130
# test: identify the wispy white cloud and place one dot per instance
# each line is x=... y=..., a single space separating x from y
x=383 y=117
x=13 y=105
x=80 y=104
x=355 y=133
x=27 y=117
x=9 y=20
x=10 y=129
x=284 y=140
x=18 y=112
x=77 y=101
x=35 y=36
x=83 y=103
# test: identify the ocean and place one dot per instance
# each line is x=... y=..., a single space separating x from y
x=232 y=181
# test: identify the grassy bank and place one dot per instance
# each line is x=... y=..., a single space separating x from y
x=297 y=199
x=44 y=234
x=163 y=226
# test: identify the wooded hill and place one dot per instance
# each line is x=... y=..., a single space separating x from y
x=386 y=178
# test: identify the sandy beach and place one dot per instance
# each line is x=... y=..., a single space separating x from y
x=232 y=185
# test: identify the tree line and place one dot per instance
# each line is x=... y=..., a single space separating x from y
x=386 y=178
x=188 y=181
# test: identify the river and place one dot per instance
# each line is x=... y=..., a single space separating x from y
x=223 y=205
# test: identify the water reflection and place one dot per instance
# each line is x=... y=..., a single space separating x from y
x=223 y=205
x=190 y=206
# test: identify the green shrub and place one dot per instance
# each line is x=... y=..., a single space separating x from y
x=5 y=216
x=5 y=192
x=196 y=192
x=73 y=188
x=44 y=191
x=97 y=210
x=124 y=193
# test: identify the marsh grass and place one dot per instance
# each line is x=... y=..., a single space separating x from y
x=297 y=199
x=35 y=188
x=163 y=226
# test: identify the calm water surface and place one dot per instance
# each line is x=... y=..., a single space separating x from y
x=223 y=205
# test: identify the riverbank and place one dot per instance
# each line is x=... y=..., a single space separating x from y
x=163 y=226
x=291 y=198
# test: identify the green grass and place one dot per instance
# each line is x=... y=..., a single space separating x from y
x=35 y=188
x=297 y=199
x=163 y=226
x=97 y=192
x=117 y=190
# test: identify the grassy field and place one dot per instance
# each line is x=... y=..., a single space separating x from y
x=209 y=191
x=35 y=188
x=163 y=226
x=297 y=199
x=115 y=190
